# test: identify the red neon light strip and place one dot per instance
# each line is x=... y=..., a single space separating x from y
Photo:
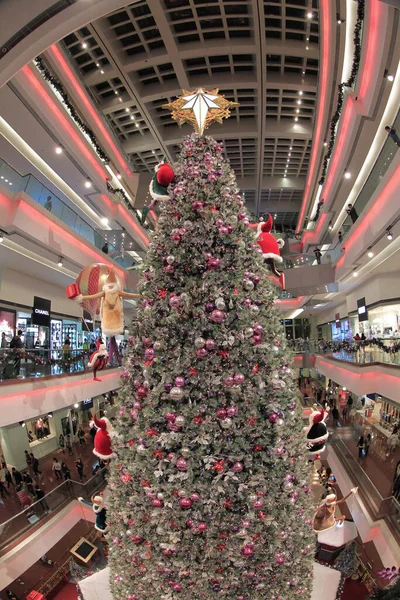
x=43 y=220
x=364 y=374
x=322 y=105
x=62 y=120
x=363 y=229
x=62 y=63
x=373 y=41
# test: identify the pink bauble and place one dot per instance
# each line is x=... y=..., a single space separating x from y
x=177 y=587
x=175 y=237
x=280 y=451
x=247 y=550
x=201 y=353
x=137 y=383
x=228 y=381
x=247 y=302
x=258 y=329
x=170 y=417
x=181 y=464
x=202 y=526
x=237 y=467
x=213 y=263
x=157 y=503
x=137 y=405
x=197 y=205
x=173 y=427
x=169 y=269
x=149 y=354
x=231 y=411
x=210 y=345
x=189 y=523
x=174 y=302
x=137 y=539
x=259 y=503
x=273 y=417
x=179 y=381
x=221 y=414
x=217 y=316
x=223 y=230
x=185 y=503
x=171 y=456
x=238 y=378
x=142 y=392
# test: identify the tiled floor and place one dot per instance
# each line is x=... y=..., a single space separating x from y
x=10 y=505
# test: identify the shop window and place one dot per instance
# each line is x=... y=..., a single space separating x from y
x=38 y=429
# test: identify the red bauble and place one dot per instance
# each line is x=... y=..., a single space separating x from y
x=185 y=503
x=181 y=464
x=165 y=175
x=157 y=503
x=221 y=414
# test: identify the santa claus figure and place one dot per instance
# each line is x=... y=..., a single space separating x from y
x=162 y=178
x=98 y=359
x=99 y=510
x=270 y=247
x=102 y=439
x=317 y=432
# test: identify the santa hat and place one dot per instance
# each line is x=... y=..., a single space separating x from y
x=102 y=439
x=317 y=432
x=269 y=245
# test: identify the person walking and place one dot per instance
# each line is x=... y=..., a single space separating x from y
x=35 y=465
x=28 y=460
x=392 y=133
x=17 y=476
x=79 y=468
x=28 y=483
x=48 y=205
x=56 y=467
x=17 y=344
x=7 y=476
x=61 y=442
x=344 y=413
x=361 y=446
x=65 y=471
x=367 y=444
x=392 y=442
x=351 y=211
x=335 y=416
x=40 y=495
x=68 y=444
x=3 y=483
x=3 y=341
x=318 y=255
x=81 y=436
x=340 y=237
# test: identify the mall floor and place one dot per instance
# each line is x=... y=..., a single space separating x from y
x=10 y=505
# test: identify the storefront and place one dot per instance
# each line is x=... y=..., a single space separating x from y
x=383 y=322
x=296 y=328
x=7 y=324
x=389 y=414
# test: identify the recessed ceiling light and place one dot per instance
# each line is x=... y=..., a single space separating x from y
x=97 y=64
x=298 y=101
x=137 y=124
x=325 y=144
x=300 y=93
x=296 y=118
x=390 y=77
x=115 y=92
x=127 y=110
x=119 y=176
x=290 y=154
x=389 y=235
x=76 y=405
x=297 y=110
x=102 y=72
x=60 y=261
x=10 y=183
x=132 y=118
x=120 y=99
x=304 y=72
x=307 y=48
x=370 y=254
x=6 y=180
x=84 y=45
x=347 y=175
x=355 y=273
x=152 y=152
x=104 y=221
x=309 y=15
x=88 y=183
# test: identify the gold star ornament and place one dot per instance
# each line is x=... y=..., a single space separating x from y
x=200 y=108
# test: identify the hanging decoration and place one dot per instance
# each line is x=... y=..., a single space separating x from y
x=342 y=86
x=158 y=188
x=59 y=88
x=270 y=247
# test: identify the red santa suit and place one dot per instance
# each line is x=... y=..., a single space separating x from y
x=102 y=439
x=270 y=247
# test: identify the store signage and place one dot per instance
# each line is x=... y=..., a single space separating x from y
x=362 y=310
x=41 y=311
x=337 y=319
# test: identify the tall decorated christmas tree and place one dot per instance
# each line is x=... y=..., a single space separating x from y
x=209 y=490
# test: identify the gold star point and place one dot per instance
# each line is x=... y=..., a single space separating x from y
x=200 y=108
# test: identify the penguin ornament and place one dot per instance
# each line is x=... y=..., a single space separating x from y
x=317 y=432
x=270 y=247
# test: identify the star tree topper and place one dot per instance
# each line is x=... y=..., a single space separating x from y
x=200 y=108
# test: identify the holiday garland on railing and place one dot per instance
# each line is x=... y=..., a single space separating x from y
x=342 y=86
x=59 y=88
x=121 y=194
x=318 y=211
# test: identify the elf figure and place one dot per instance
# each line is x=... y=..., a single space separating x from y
x=98 y=359
x=162 y=178
x=270 y=247
x=102 y=439
x=324 y=517
x=317 y=432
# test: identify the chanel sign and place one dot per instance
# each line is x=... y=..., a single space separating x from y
x=41 y=311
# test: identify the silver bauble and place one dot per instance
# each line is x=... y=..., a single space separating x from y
x=220 y=304
x=140 y=449
x=248 y=332
x=199 y=342
x=254 y=308
x=182 y=494
x=170 y=259
x=176 y=393
x=160 y=496
x=248 y=284
x=226 y=423
x=180 y=421
x=185 y=452
x=158 y=346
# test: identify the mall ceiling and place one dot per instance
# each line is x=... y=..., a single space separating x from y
x=262 y=54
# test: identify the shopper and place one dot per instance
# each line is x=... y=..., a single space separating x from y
x=3 y=340
x=35 y=465
x=392 y=443
x=68 y=444
x=17 y=344
x=17 y=476
x=105 y=248
x=48 y=204
x=56 y=467
x=28 y=483
x=28 y=460
x=79 y=468
x=361 y=446
x=7 y=475
x=335 y=416
x=340 y=237
x=93 y=431
x=40 y=495
x=3 y=483
x=367 y=444
x=66 y=472
x=61 y=442
x=351 y=211
x=66 y=349
x=318 y=255
x=81 y=436
x=392 y=133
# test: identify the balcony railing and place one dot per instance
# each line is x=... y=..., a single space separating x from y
x=16 y=182
x=52 y=502
x=26 y=364
x=361 y=353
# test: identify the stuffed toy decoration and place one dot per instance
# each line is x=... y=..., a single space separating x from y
x=270 y=247
x=317 y=432
x=102 y=439
x=324 y=517
x=98 y=360
x=100 y=511
x=162 y=178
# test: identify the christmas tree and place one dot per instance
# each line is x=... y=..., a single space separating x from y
x=347 y=561
x=209 y=490
x=391 y=592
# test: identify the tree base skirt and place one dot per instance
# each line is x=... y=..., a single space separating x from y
x=326 y=584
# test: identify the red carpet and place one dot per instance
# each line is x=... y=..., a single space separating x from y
x=354 y=590
x=63 y=591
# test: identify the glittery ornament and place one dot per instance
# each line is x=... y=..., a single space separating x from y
x=174 y=302
x=181 y=464
x=210 y=345
x=238 y=378
x=220 y=304
x=180 y=421
x=217 y=316
x=179 y=381
x=185 y=503
x=199 y=342
x=170 y=259
x=237 y=467
x=176 y=393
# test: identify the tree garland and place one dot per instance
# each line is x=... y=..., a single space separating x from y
x=342 y=86
x=59 y=88
x=318 y=211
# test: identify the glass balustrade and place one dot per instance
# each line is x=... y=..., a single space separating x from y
x=36 y=363
x=10 y=178
x=51 y=503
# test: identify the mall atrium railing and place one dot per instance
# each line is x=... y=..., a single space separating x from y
x=377 y=506
x=25 y=364
x=51 y=503
x=16 y=182
x=360 y=353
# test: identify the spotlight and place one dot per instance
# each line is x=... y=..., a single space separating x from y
x=309 y=15
x=102 y=72
x=296 y=119
x=300 y=93
x=119 y=176
x=355 y=273
x=88 y=183
x=60 y=261
x=347 y=175
x=132 y=118
x=84 y=45
x=390 y=78
x=58 y=150
x=127 y=110
x=76 y=405
x=97 y=64
x=370 y=253
x=325 y=144
x=344 y=389
x=389 y=235
x=137 y=124
x=22 y=423
x=104 y=221
x=298 y=101
x=50 y=414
